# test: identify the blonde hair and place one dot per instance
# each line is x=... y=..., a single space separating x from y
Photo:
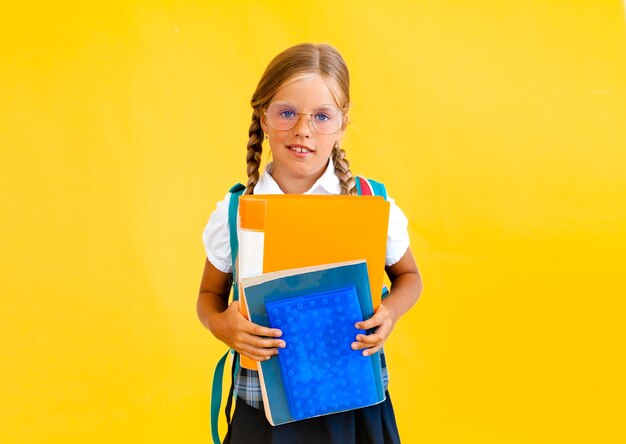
x=291 y=64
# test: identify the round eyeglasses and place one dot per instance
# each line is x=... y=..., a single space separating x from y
x=327 y=119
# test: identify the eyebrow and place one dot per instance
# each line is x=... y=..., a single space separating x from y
x=316 y=108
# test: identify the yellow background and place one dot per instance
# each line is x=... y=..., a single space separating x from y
x=498 y=126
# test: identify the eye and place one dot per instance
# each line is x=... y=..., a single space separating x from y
x=287 y=114
x=322 y=117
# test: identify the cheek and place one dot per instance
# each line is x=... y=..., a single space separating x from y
x=275 y=142
x=327 y=145
x=275 y=138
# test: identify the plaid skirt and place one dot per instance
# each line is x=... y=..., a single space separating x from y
x=369 y=425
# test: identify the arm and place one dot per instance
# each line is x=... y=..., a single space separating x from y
x=226 y=321
x=406 y=287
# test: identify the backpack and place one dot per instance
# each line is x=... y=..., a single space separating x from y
x=364 y=187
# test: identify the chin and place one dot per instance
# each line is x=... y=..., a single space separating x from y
x=304 y=173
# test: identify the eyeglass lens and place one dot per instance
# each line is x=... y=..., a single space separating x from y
x=326 y=119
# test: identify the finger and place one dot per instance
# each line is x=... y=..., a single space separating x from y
x=370 y=340
x=358 y=345
x=373 y=348
x=259 y=330
x=260 y=342
x=369 y=323
x=384 y=330
x=371 y=351
x=256 y=353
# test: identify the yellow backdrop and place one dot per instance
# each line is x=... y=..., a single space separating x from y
x=498 y=126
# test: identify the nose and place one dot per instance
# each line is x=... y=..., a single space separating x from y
x=303 y=125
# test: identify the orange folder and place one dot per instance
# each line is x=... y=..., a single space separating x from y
x=280 y=232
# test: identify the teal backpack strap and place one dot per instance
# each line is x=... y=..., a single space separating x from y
x=216 y=397
x=233 y=207
x=216 y=390
x=385 y=292
x=216 y=394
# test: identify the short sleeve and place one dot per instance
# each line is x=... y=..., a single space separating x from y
x=397 y=234
x=216 y=237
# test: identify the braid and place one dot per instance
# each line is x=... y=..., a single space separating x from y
x=255 y=148
x=342 y=169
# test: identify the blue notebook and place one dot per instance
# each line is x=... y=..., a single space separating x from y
x=320 y=372
x=317 y=373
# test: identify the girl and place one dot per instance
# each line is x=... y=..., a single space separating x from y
x=300 y=106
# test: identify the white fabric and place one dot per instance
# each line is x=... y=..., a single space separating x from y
x=216 y=236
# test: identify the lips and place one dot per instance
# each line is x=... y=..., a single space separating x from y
x=302 y=149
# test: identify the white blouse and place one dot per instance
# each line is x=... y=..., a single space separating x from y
x=216 y=236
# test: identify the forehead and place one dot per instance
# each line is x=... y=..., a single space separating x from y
x=308 y=92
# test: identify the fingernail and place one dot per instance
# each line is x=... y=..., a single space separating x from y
x=366 y=352
x=282 y=344
x=268 y=358
x=278 y=333
x=354 y=345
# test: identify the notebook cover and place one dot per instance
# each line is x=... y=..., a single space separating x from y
x=300 y=283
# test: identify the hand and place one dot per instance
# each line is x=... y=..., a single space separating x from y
x=370 y=344
x=250 y=339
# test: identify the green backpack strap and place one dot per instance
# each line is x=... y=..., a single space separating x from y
x=233 y=207
x=216 y=390
x=216 y=397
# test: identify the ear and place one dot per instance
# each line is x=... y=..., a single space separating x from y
x=264 y=125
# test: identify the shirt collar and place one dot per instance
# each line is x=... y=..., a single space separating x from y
x=328 y=183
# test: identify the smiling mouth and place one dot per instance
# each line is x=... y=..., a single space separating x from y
x=299 y=149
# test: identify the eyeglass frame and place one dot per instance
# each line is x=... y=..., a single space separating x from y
x=344 y=117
